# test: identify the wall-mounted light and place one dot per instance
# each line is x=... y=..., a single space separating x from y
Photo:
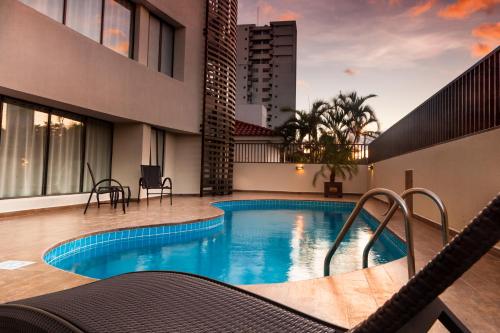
x=370 y=167
x=299 y=169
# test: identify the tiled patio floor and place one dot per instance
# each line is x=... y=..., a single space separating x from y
x=344 y=299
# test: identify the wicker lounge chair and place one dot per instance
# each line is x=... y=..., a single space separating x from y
x=151 y=179
x=178 y=302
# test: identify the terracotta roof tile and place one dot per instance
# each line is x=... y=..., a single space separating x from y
x=246 y=129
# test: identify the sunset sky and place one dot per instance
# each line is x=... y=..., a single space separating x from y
x=403 y=51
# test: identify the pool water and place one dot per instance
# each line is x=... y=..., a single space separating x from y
x=258 y=241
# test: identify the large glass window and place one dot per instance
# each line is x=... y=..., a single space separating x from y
x=22 y=150
x=98 y=147
x=51 y=8
x=117 y=26
x=42 y=151
x=84 y=16
x=65 y=155
x=167 y=49
x=161 y=46
x=108 y=22
x=154 y=43
x=157 y=148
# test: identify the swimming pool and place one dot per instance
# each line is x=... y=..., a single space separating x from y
x=255 y=241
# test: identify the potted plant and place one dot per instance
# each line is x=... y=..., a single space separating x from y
x=337 y=161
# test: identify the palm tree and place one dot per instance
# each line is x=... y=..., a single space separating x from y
x=304 y=128
x=336 y=123
x=360 y=115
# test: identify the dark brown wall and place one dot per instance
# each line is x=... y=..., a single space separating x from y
x=219 y=99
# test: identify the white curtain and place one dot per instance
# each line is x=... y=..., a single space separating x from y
x=51 y=8
x=65 y=155
x=157 y=147
x=97 y=151
x=84 y=16
x=22 y=146
x=154 y=43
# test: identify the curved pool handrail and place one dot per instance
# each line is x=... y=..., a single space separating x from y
x=398 y=201
x=416 y=190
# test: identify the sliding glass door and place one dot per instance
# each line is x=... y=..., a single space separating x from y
x=22 y=150
x=98 y=148
x=65 y=155
x=157 y=148
x=45 y=151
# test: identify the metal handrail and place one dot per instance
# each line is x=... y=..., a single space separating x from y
x=416 y=190
x=347 y=225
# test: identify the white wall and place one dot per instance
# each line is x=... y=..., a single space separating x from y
x=183 y=162
x=46 y=62
x=252 y=113
x=465 y=173
x=130 y=150
x=285 y=178
x=14 y=205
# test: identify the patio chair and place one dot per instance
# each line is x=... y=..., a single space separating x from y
x=181 y=302
x=151 y=179
x=105 y=186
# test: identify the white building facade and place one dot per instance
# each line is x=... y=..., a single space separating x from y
x=103 y=82
x=267 y=68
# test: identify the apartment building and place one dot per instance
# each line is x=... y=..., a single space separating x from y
x=111 y=83
x=267 y=68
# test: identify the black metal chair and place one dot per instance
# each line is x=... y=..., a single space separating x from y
x=105 y=186
x=151 y=179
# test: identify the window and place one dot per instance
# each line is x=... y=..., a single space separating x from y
x=22 y=149
x=117 y=26
x=161 y=46
x=98 y=148
x=43 y=151
x=51 y=8
x=167 y=49
x=154 y=43
x=83 y=17
x=108 y=22
x=65 y=155
x=157 y=148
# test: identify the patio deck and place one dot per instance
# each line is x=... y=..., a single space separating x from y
x=343 y=299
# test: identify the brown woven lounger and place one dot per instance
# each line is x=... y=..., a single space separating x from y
x=177 y=302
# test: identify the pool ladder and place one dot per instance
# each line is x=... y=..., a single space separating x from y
x=398 y=201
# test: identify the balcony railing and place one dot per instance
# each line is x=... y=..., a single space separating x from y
x=264 y=152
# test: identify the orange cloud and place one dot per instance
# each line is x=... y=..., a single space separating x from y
x=490 y=31
x=389 y=2
x=480 y=49
x=350 y=71
x=114 y=32
x=289 y=16
x=122 y=47
x=421 y=8
x=464 y=8
x=266 y=9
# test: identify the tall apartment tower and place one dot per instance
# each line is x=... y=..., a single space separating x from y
x=267 y=68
